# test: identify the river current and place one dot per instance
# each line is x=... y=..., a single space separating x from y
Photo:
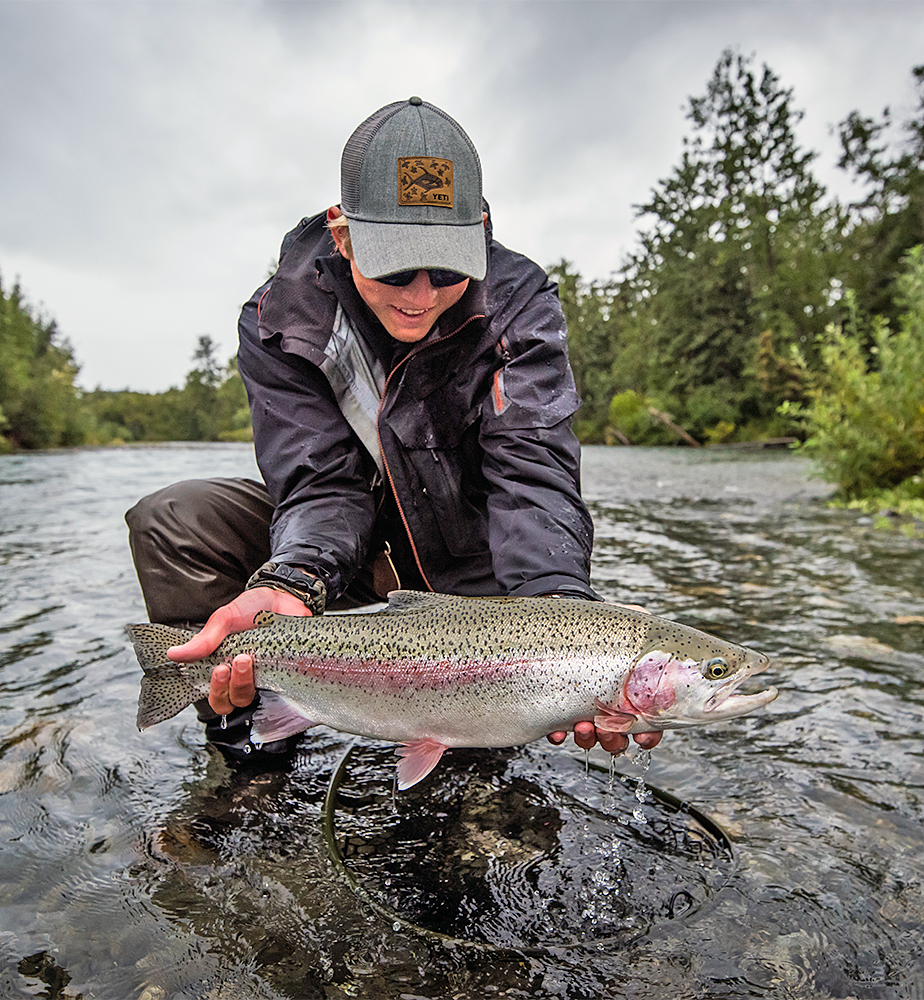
x=778 y=855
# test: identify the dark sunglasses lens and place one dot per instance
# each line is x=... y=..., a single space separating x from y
x=443 y=279
x=398 y=280
x=438 y=278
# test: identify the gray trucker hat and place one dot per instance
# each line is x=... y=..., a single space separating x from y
x=410 y=184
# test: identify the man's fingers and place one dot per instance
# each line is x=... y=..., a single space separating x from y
x=232 y=686
x=218 y=690
x=614 y=743
x=585 y=735
x=207 y=640
x=241 y=688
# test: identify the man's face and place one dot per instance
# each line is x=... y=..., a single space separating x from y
x=407 y=313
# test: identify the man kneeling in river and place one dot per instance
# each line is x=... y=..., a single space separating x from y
x=411 y=400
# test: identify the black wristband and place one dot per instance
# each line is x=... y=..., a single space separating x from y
x=294 y=580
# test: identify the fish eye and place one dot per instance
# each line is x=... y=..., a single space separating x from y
x=716 y=669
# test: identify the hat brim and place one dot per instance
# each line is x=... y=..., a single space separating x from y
x=381 y=248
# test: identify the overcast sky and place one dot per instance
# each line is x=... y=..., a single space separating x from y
x=153 y=154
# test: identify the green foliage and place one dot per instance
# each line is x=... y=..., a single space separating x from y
x=737 y=245
x=211 y=406
x=629 y=415
x=865 y=415
x=42 y=407
x=889 y=219
x=589 y=309
x=39 y=402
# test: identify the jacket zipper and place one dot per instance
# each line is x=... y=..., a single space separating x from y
x=391 y=481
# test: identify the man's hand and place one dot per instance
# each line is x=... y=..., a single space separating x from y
x=586 y=736
x=232 y=685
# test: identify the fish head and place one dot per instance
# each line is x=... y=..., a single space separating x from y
x=693 y=681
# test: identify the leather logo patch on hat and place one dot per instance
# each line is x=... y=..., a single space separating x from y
x=424 y=180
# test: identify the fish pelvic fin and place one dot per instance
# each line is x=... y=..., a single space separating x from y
x=611 y=720
x=418 y=759
x=277 y=718
x=165 y=689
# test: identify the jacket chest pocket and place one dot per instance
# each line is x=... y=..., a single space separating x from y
x=439 y=478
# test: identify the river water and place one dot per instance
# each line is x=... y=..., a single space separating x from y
x=778 y=855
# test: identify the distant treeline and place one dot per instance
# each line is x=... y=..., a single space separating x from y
x=753 y=307
x=42 y=407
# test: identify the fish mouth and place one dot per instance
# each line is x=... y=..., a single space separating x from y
x=726 y=704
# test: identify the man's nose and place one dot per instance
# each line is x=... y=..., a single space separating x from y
x=420 y=288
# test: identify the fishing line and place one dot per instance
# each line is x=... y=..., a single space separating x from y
x=681 y=902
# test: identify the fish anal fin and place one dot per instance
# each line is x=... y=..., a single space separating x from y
x=418 y=759
x=277 y=718
x=611 y=720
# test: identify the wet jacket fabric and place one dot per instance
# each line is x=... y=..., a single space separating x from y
x=457 y=451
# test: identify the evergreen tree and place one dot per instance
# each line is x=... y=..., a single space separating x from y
x=739 y=244
x=40 y=405
x=589 y=309
x=200 y=394
x=889 y=220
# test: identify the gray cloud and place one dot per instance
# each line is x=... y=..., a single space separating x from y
x=156 y=152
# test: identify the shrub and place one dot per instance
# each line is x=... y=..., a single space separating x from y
x=865 y=410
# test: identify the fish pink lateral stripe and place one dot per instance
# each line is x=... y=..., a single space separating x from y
x=393 y=676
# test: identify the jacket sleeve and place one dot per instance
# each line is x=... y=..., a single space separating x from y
x=541 y=534
x=318 y=476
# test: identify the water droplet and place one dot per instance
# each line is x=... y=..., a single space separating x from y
x=224 y=722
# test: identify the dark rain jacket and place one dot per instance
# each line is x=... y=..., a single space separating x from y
x=457 y=451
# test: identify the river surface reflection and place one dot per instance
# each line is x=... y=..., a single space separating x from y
x=139 y=866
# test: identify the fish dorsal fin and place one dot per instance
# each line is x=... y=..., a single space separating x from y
x=417 y=600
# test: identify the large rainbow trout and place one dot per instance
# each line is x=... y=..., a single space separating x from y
x=433 y=671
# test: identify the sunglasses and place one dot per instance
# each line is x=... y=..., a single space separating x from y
x=438 y=278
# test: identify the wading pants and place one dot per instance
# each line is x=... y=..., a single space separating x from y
x=196 y=543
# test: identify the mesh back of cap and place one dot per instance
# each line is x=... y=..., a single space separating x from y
x=355 y=150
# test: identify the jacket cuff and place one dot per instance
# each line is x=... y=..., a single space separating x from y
x=556 y=586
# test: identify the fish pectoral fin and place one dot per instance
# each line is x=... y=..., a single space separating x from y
x=611 y=720
x=418 y=759
x=276 y=718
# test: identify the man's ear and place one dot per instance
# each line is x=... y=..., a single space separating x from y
x=335 y=231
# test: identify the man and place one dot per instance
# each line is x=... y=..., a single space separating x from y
x=411 y=401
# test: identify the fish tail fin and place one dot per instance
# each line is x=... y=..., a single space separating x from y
x=418 y=759
x=165 y=688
